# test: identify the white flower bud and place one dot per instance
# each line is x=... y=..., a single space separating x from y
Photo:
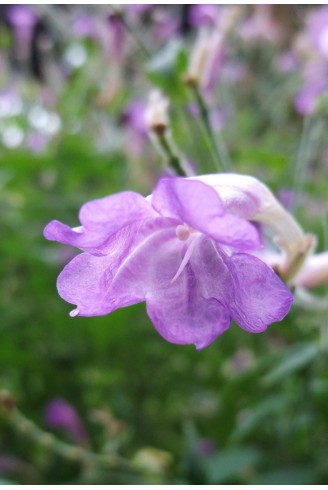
x=156 y=115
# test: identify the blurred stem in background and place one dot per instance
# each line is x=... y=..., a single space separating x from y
x=117 y=11
x=312 y=131
x=157 y=120
x=87 y=459
x=215 y=141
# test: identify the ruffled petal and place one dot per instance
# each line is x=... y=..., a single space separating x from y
x=75 y=237
x=87 y=281
x=181 y=306
x=199 y=205
x=189 y=320
x=242 y=195
x=260 y=297
x=236 y=233
x=100 y=220
x=189 y=201
x=115 y=211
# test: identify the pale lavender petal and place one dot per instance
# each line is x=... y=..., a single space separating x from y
x=190 y=320
x=199 y=205
x=260 y=297
x=115 y=211
x=209 y=265
x=151 y=265
x=190 y=201
x=87 y=281
x=237 y=233
x=101 y=218
x=242 y=195
x=76 y=237
x=192 y=310
x=183 y=308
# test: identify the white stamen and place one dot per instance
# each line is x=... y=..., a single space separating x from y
x=74 y=312
x=185 y=260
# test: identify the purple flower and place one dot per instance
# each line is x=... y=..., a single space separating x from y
x=306 y=100
x=317 y=27
x=203 y=14
x=59 y=414
x=134 y=117
x=139 y=8
x=205 y=447
x=21 y=16
x=185 y=250
x=83 y=26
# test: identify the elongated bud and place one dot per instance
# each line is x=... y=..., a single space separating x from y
x=156 y=115
x=198 y=58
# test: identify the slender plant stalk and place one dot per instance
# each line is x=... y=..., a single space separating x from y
x=49 y=442
x=311 y=133
x=130 y=30
x=215 y=141
x=323 y=321
x=166 y=147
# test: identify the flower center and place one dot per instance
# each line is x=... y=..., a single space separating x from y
x=183 y=232
x=186 y=258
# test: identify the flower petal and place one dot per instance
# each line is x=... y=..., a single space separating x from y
x=189 y=201
x=260 y=297
x=237 y=233
x=87 y=281
x=182 y=307
x=242 y=195
x=189 y=320
x=100 y=219
x=115 y=211
x=75 y=237
x=199 y=205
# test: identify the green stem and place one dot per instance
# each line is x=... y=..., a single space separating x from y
x=130 y=30
x=312 y=129
x=168 y=151
x=49 y=442
x=215 y=142
x=323 y=322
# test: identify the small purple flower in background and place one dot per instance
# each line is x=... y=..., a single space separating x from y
x=317 y=29
x=205 y=447
x=16 y=466
x=10 y=464
x=306 y=100
x=203 y=15
x=59 y=414
x=83 y=26
x=134 y=117
x=186 y=251
x=138 y=8
x=21 y=16
x=287 y=198
x=286 y=62
x=23 y=19
x=261 y=25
